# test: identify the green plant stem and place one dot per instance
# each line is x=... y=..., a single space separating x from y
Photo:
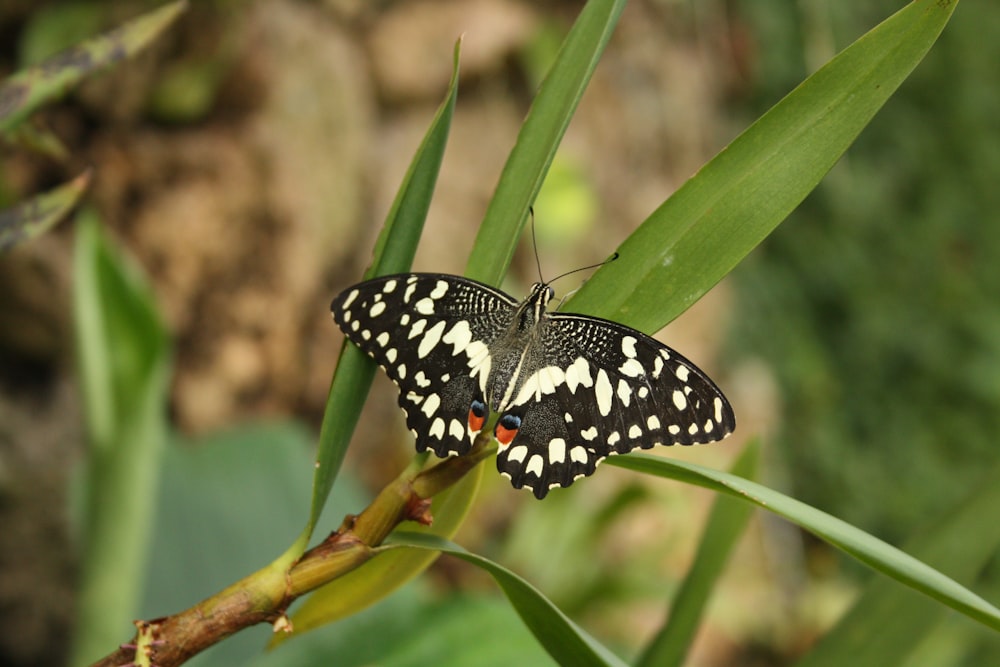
x=264 y=596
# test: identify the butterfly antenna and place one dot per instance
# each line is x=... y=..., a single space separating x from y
x=534 y=243
x=586 y=268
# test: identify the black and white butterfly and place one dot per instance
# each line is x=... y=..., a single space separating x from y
x=570 y=390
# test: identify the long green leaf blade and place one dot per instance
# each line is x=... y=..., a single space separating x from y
x=124 y=368
x=539 y=139
x=29 y=89
x=566 y=642
x=883 y=622
x=855 y=542
x=726 y=522
x=698 y=235
x=394 y=253
x=33 y=217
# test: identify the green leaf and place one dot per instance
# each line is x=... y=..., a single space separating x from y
x=565 y=641
x=855 y=542
x=37 y=215
x=27 y=90
x=394 y=253
x=698 y=235
x=882 y=623
x=726 y=523
x=539 y=138
x=124 y=370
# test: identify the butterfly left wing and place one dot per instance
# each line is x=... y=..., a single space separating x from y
x=430 y=333
x=601 y=389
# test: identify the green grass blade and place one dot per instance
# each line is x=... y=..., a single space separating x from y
x=27 y=90
x=394 y=253
x=564 y=640
x=726 y=522
x=539 y=138
x=124 y=369
x=698 y=235
x=882 y=623
x=855 y=542
x=38 y=214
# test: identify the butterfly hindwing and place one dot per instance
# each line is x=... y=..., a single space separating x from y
x=431 y=334
x=605 y=389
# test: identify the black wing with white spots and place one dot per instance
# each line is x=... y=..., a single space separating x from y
x=430 y=333
x=570 y=390
x=606 y=389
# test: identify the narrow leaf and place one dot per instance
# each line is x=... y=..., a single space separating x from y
x=539 y=138
x=726 y=522
x=394 y=253
x=883 y=622
x=38 y=214
x=698 y=235
x=565 y=641
x=123 y=358
x=855 y=542
x=27 y=90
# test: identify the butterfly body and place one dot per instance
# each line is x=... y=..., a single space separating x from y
x=570 y=389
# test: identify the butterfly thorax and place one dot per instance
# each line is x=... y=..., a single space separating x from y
x=519 y=350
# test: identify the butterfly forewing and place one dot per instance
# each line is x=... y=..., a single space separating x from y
x=571 y=390
x=606 y=389
x=431 y=334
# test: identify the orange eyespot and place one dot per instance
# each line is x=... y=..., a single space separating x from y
x=476 y=421
x=477 y=415
x=506 y=429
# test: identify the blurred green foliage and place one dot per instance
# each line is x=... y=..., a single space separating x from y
x=877 y=307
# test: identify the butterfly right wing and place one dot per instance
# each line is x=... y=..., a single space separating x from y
x=431 y=334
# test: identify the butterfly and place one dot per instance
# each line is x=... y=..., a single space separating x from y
x=570 y=390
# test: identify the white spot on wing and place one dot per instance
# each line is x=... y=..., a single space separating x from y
x=456 y=429
x=614 y=437
x=437 y=428
x=417 y=328
x=517 y=453
x=439 y=290
x=634 y=432
x=632 y=368
x=460 y=336
x=350 y=299
x=718 y=409
x=557 y=450
x=578 y=374
x=535 y=465
x=383 y=338
x=603 y=392
x=431 y=404
x=680 y=402
x=624 y=393
x=578 y=454
x=653 y=423
x=628 y=346
x=682 y=373
x=425 y=306
x=389 y=287
x=377 y=309
x=589 y=434
x=430 y=339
